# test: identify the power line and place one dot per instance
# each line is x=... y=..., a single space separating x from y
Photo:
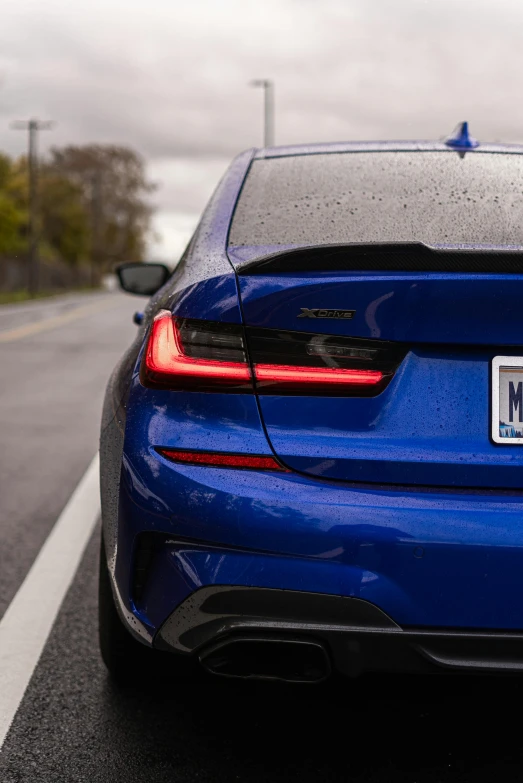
x=33 y=126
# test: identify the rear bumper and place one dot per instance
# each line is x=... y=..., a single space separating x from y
x=426 y=559
x=356 y=636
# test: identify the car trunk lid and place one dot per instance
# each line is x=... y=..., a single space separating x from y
x=442 y=313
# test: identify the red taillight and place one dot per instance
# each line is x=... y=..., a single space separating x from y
x=221 y=460
x=289 y=376
x=167 y=364
x=189 y=354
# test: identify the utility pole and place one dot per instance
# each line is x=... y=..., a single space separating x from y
x=33 y=126
x=96 y=215
x=268 y=109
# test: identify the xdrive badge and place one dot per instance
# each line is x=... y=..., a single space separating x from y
x=316 y=312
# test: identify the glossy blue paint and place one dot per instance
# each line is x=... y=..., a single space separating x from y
x=215 y=299
x=414 y=308
x=430 y=426
x=194 y=420
x=294 y=532
x=311 y=529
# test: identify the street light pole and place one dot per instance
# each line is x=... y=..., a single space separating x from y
x=33 y=126
x=268 y=105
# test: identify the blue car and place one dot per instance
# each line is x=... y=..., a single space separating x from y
x=312 y=453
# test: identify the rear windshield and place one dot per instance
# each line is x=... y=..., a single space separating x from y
x=431 y=197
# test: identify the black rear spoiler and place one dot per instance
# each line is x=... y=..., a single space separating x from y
x=386 y=257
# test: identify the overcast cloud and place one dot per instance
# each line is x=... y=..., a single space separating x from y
x=170 y=78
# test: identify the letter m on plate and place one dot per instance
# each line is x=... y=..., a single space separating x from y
x=515 y=400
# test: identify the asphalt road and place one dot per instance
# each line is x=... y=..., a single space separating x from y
x=73 y=724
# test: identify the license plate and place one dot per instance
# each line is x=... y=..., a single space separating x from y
x=507 y=400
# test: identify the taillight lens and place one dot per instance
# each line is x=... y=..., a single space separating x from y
x=290 y=378
x=288 y=362
x=185 y=353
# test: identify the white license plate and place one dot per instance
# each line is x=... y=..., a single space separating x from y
x=507 y=400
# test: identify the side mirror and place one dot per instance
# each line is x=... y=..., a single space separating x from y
x=142 y=279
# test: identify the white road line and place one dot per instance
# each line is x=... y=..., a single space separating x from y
x=26 y=625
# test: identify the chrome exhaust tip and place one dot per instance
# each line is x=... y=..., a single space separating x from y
x=268 y=658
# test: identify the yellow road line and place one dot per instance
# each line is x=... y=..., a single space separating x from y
x=19 y=332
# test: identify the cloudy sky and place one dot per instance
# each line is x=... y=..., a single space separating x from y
x=170 y=78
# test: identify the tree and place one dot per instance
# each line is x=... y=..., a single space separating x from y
x=64 y=218
x=92 y=206
x=63 y=223
x=114 y=187
x=13 y=217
